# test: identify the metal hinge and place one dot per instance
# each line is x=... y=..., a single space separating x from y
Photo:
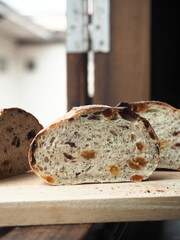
x=88 y=26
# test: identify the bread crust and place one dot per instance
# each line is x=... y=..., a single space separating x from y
x=144 y=105
x=17 y=129
x=125 y=113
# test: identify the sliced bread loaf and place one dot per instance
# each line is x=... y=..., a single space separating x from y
x=165 y=120
x=17 y=129
x=95 y=144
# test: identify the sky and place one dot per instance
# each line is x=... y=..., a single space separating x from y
x=50 y=14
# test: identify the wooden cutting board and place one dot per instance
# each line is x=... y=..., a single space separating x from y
x=28 y=200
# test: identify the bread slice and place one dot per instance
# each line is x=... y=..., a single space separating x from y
x=165 y=120
x=17 y=129
x=95 y=144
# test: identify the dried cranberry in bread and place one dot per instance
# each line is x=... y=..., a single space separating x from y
x=17 y=129
x=165 y=120
x=95 y=144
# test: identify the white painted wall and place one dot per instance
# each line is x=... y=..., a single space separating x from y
x=8 y=86
x=41 y=91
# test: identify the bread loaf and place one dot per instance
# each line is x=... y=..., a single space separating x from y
x=95 y=144
x=165 y=120
x=17 y=129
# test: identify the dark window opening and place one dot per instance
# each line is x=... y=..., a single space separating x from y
x=165 y=66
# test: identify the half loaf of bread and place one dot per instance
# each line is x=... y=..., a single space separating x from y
x=165 y=120
x=17 y=129
x=95 y=144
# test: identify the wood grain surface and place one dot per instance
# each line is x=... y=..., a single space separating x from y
x=54 y=232
x=123 y=74
x=28 y=200
x=77 y=80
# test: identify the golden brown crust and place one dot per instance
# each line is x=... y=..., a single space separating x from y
x=140 y=106
x=20 y=110
x=143 y=105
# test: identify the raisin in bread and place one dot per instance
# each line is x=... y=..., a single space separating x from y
x=17 y=129
x=165 y=120
x=95 y=144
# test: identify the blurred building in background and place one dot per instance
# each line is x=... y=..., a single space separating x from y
x=32 y=66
